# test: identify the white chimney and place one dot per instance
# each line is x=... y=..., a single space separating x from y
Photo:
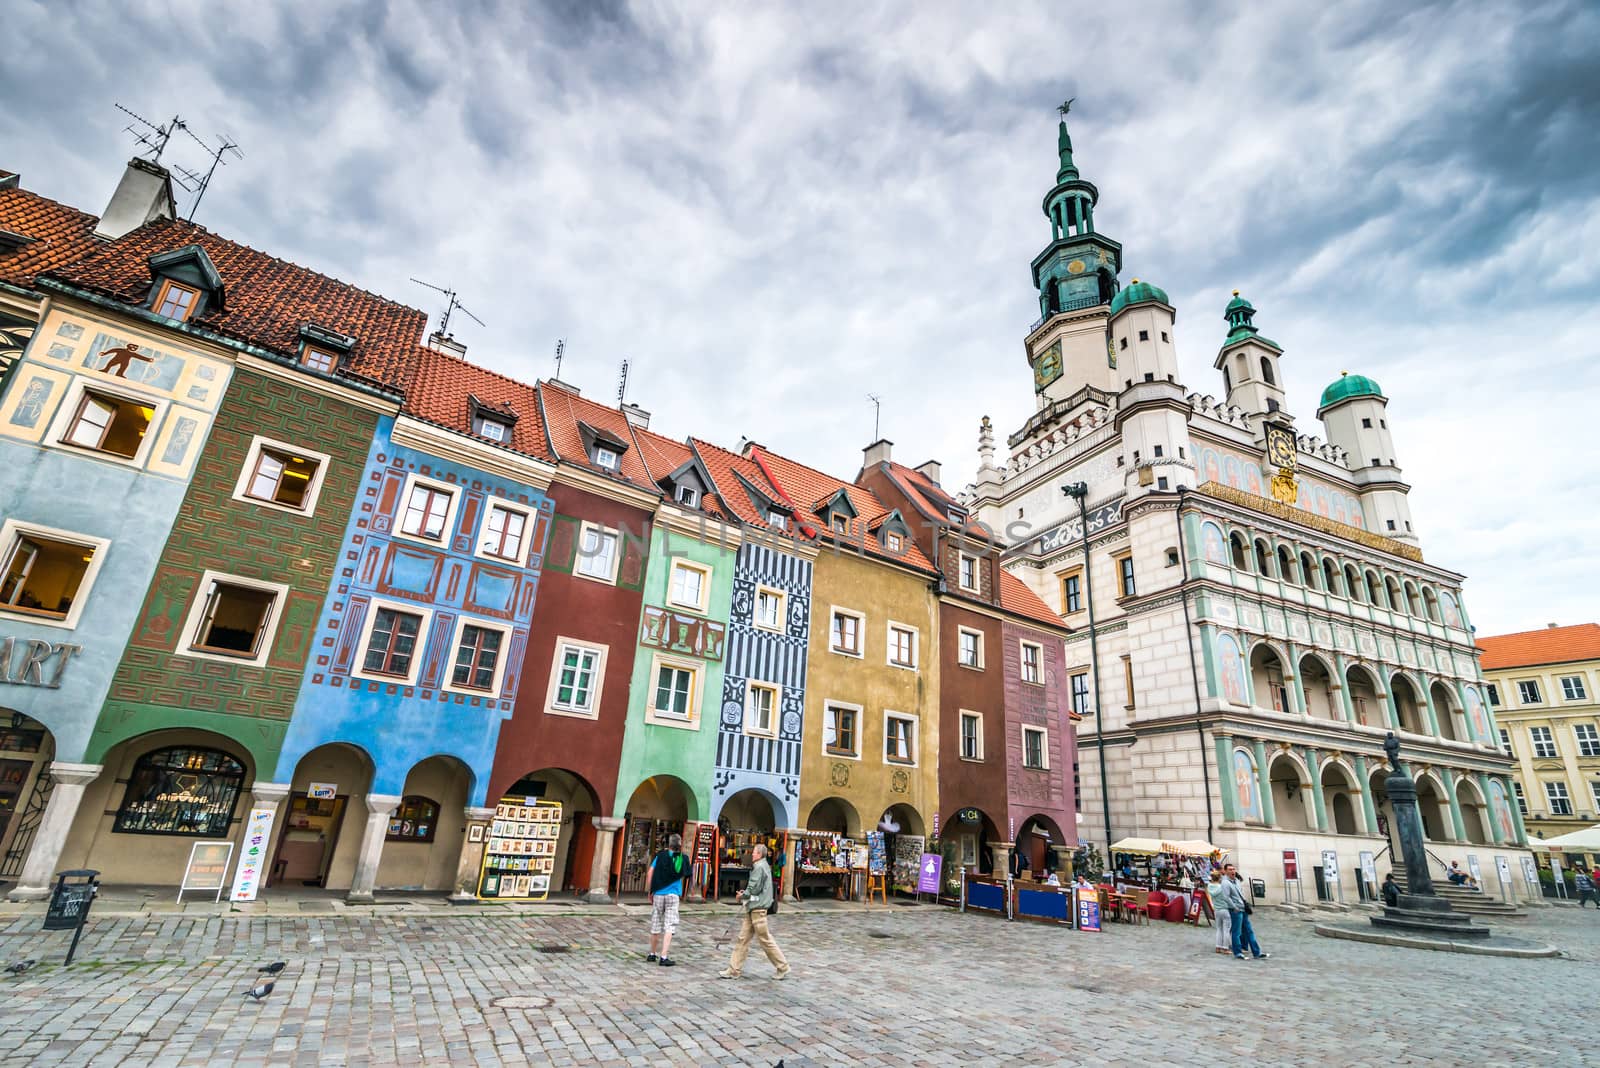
x=636 y=416
x=447 y=345
x=876 y=453
x=929 y=471
x=143 y=195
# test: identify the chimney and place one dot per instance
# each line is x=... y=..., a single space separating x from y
x=876 y=453
x=930 y=471
x=447 y=345
x=636 y=416
x=143 y=195
x=10 y=180
x=1551 y=626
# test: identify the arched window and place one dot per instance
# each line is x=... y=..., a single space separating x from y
x=1227 y=379
x=1285 y=564
x=1308 y=571
x=1330 y=576
x=1262 y=559
x=1353 y=588
x=1266 y=372
x=1397 y=602
x=415 y=820
x=1374 y=589
x=1241 y=562
x=1414 y=599
x=181 y=791
x=1430 y=601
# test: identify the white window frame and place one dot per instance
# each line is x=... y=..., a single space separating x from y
x=1594 y=793
x=1044 y=748
x=424 y=630
x=777 y=521
x=962 y=560
x=960 y=633
x=1566 y=691
x=452 y=510
x=680 y=563
x=961 y=718
x=861 y=723
x=1552 y=789
x=108 y=384
x=894 y=542
x=448 y=682
x=1538 y=743
x=750 y=725
x=552 y=691
x=913 y=741
x=686 y=495
x=697 y=682
x=610 y=579
x=839 y=524
x=1023 y=645
x=241 y=490
x=783 y=609
x=480 y=549
x=502 y=434
x=13 y=529
x=197 y=611
x=1588 y=744
x=916 y=646
x=1522 y=695
x=606 y=450
x=861 y=631
x=1505 y=742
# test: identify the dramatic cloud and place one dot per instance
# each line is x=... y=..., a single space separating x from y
x=773 y=210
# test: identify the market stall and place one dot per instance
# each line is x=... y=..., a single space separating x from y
x=734 y=852
x=1173 y=873
x=645 y=837
x=826 y=861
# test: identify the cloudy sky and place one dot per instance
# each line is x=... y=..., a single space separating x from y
x=773 y=210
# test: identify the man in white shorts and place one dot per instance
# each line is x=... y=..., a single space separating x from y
x=669 y=872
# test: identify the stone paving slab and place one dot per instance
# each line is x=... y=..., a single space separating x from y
x=940 y=989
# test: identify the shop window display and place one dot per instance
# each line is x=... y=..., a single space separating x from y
x=646 y=838
x=181 y=791
x=415 y=820
x=521 y=850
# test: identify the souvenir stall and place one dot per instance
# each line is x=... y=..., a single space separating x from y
x=645 y=837
x=520 y=851
x=907 y=863
x=1162 y=879
x=734 y=850
x=826 y=861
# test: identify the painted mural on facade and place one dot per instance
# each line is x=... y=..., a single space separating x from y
x=1244 y=473
x=1246 y=786
x=1230 y=670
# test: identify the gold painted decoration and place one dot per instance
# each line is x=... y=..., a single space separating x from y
x=1077 y=266
x=1291 y=514
x=1284 y=487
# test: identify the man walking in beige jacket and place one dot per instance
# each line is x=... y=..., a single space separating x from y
x=757 y=900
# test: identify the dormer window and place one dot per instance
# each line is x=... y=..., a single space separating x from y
x=493 y=429
x=778 y=520
x=322 y=349
x=688 y=496
x=606 y=458
x=175 y=301
x=319 y=359
x=186 y=284
x=841 y=525
x=957 y=516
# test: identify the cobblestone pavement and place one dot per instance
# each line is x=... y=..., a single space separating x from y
x=897 y=986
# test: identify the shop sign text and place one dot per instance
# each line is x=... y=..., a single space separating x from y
x=31 y=662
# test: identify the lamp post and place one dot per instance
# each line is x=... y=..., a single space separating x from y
x=1079 y=491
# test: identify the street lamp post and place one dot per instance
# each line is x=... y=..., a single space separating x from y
x=1079 y=491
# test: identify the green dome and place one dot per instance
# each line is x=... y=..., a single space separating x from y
x=1347 y=386
x=1138 y=292
x=1235 y=304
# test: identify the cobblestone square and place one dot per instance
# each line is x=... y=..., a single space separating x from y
x=893 y=986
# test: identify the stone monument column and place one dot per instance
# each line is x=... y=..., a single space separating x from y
x=39 y=871
x=605 y=841
x=470 y=862
x=379 y=808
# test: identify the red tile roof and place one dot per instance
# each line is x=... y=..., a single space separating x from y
x=563 y=409
x=1018 y=598
x=60 y=235
x=723 y=466
x=1551 y=645
x=937 y=503
x=442 y=384
x=267 y=300
x=664 y=456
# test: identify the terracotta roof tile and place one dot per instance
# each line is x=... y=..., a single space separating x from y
x=267 y=299
x=442 y=384
x=663 y=456
x=564 y=409
x=1018 y=598
x=725 y=468
x=1550 y=645
x=60 y=235
x=921 y=489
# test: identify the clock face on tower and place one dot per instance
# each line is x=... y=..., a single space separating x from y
x=1280 y=446
x=1047 y=368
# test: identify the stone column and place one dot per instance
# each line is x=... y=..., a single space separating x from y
x=1433 y=713
x=1488 y=806
x=605 y=840
x=1297 y=692
x=379 y=808
x=1230 y=809
x=1456 y=822
x=39 y=870
x=1391 y=714
x=470 y=864
x=789 y=888
x=1369 y=810
x=1347 y=708
x=1318 y=805
x=1269 y=813
x=1002 y=860
x=1516 y=812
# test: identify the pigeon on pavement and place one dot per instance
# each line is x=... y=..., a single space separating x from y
x=20 y=966
x=260 y=990
x=272 y=969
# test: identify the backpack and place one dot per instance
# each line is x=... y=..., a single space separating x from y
x=668 y=869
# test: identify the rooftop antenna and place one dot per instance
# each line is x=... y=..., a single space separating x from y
x=452 y=305
x=877 y=410
x=228 y=145
x=154 y=138
x=561 y=348
x=622 y=385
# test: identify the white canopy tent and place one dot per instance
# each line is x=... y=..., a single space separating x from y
x=1584 y=841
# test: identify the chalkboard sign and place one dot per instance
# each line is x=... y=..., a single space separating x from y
x=705 y=839
x=207 y=868
x=69 y=904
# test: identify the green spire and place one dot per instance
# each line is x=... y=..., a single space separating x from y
x=1068 y=169
x=1239 y=314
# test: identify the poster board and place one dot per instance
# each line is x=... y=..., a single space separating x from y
x=1369 y=873
x=1330 y=873
x=1555 y=869
x=929 y=871
x=1291 y=876
x=1088 y=911
x=1199 y=903
x=1472 y=866
x=207 y=868
x=1502 y=867
x=253 y=857
x=1530 y=875
x=877 y=853
x=907 y=862
x=521 y=851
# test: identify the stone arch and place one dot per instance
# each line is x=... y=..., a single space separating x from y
x=1367 y=694
x=1448 y=711
x=1291 y=792
x=1376 y=785
x=1331 y=575
x=1319 y=683
x=1430 y=602
x=1263 y=558
x=1413 y=600
x=746 y=807
x=1270 y=677
x=835 y=815
x=1475 y=814
x=1287 y=569
x=1354 y=588
x=327 y=831
x=1310 y=573
x=423 y=848
x=665 y=797
x=573 y=869
x=1032 y=848
x=1406 y=697
x=1341 y=798
x=1374 y=589
x=1433 y=806
x=1237 y=551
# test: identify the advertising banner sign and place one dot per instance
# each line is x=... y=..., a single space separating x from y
x=1291 y=864
x=207 y=868
x=1088 y=912
x=932 y=867
x=253 y=857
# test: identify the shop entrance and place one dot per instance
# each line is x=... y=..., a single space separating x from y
x=1038 y=847
x=579 y=805
x=423 y=845
x=904 y=841
x=658 y=809
x=320 y=835
x=968 y=833
x=825 y=853
x=26 y=749
x=748 y=818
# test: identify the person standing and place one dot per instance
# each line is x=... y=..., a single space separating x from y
x=667 y=873
x=757 y=900
x=1586 y=889
x=1220 y=911
x=1239 y=913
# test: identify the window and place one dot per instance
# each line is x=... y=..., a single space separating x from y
x=839 y=524
x=1505 y=742
x=1588 y=739
x=503 y=534
x=1544 y=743
x=1035 y=752
x=777 y=520
x=895 y=543
x=969 y=648
x=1266 y=372
x=844 y=632
x=902 y=646
x=1127 y=679
x=493 y=429
x=281 y=476
x=392 y=643
x=688 y=496
x=1367 y=423
x=43 y=573
x=188 y=792
x=109 y=424
x=899 y=738
x=675 y=688
x=478 y=658
x=1072 y=593
x=175 y=301
x=1594 y=793
x=1560 y=803
x=971 y=736
x=414 y=820
x=427 y=512
x=1528 y=692
x=1522 y=798
x=768 y=613
x=1572 y=688
x=606 y=458
x=575 y=684
x=1494 y=695
x=1032 y=663
x=690 y=585
x=839 y=731
x=597 y=553
x=760 y=708
x=319 y=359
x=968 y=572
x=234 y=619
x=1163 y=335
x=1125 y=575
x=1080 y=693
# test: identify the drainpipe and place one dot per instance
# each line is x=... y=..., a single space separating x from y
x=1194 y=667
x=1080 y=491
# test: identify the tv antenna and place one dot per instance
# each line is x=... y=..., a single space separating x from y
x=452 y=305
x=622 y=384
x=561 y=348
x=201 y=181
x=877 y=410
x=154 y=138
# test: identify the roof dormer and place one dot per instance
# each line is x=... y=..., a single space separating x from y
x=604 y=448
x=322 y=349
x=893 y=532
x=836 y=511
x=688 y=485
x=492 y=422
x=185 y=284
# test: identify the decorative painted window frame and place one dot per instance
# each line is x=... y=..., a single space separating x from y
x=1023 y=645
x=447 y=683
x=750 y=689
x=783 y=609
x=705 y=571
x=696 y=692
x=424 y=629
x=1116 y=569
x=982 y=658
x=977 y=571
x=197 y=611
x=861 y=631
x=56 y=437
x=616 y=557
x=10 y=529
x=1044 y=748
x=248 y=469
x=562 y=644
x=528 y=525
x=861 y=724
x=960 y=715
x=916 y=645
x=451 y=512
x=916 y=738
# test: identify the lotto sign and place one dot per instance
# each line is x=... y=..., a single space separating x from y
x=253 y=857
x=1291 y=864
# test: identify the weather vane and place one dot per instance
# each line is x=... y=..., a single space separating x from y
x=1064 y=108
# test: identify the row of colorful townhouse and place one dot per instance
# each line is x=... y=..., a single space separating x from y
x=265 y=549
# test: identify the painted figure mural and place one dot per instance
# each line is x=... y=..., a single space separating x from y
x=1230 y=669
x=1500 y=812
x=1246 y=786
x=1213 y=544
x=1477 y=713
